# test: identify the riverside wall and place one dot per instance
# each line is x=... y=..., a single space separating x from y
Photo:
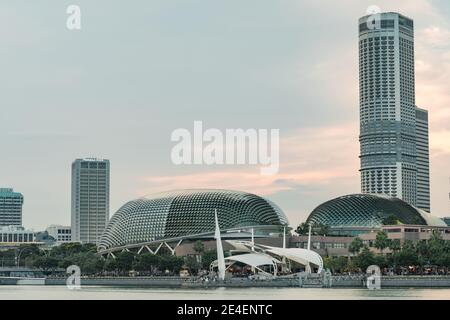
x=178 y=282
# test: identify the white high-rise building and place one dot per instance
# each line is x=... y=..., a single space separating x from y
x=388 y=137
x=90 y=199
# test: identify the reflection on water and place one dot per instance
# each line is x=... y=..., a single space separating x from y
x=61 y=292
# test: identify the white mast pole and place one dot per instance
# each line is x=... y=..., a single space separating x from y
x=308 y=267
x=220 y=256
x=309 y=237
x=253 y=239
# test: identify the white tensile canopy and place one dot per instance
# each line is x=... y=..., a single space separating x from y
x=303 y=257
x=255 y=260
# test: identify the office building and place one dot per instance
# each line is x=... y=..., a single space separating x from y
x=10 y=207
x=423 y=160
x=388 y=133
x=90 y=199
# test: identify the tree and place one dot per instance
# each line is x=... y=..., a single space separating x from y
x=111 y=264
x=192 y=264
x=318 y=229
x=395 y=245
x=45 y=263
x=89 y=262
x=208 y=257
x=302 y=229
x=336 y=264
x=355 y=246
x=364 y=259
x=321 y=229
x=390 y=220
x=436 y=247
x=199 y=247
x=381 y=241
x=147 y=262
x=171 y=263
x=125 y=261
x=407 y=256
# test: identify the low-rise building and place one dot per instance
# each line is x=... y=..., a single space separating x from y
x=13 y=236
x=61 y=234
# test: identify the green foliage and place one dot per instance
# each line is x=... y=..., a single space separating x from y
x=199 y=247
x=302 y=229
x=382 y=241
x=208 y=257
x=147 y=262
x=317 y=229
x=125 y=261
x=364 y=259
x=390 y=220
x=336 y=264
x=192 y=264
x=45 y=263
x=395 y=245
x=355 y=246
x=171 y=263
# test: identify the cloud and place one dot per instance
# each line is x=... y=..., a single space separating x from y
x=310 y=156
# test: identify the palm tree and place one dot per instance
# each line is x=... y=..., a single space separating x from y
x=381 y=241
x=395 y=245
x=302 y=229
x=355 y=246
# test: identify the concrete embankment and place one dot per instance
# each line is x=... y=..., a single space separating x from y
x=394 y=281
x=177 y=282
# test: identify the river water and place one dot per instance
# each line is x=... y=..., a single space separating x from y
x=112 y=293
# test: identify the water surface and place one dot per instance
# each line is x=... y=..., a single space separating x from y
x=116 y=293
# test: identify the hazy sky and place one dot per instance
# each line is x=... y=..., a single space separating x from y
x=138 y=70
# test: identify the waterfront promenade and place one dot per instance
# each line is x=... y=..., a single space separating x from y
x=353 y=281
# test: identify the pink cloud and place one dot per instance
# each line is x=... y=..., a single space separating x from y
x=312 y=156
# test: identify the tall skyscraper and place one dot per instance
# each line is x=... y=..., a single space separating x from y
x=388 y=137
x=90 y=199
x=423 y=160
x=10 y=207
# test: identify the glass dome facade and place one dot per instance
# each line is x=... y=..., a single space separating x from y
x=367 y=210
x=187 y=213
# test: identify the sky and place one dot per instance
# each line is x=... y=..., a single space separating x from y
x=137 y=71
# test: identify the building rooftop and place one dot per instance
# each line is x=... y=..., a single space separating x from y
x=9 y=192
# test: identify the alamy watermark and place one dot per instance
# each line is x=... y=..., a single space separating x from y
x=373 y=281
x=73 y=21
x=232 y=147
x=73 y=282
x=374 y=20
